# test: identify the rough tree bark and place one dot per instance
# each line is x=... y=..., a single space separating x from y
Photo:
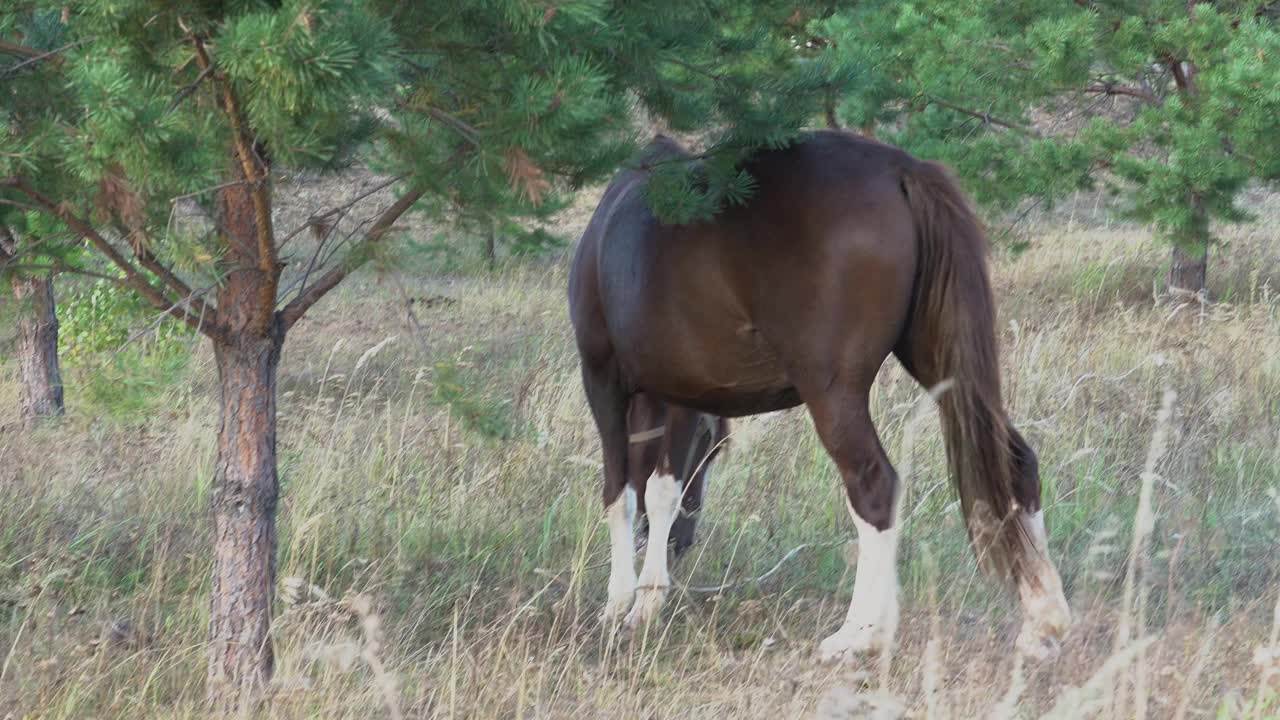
x=246 y=488
x=38 y=349
x=38 y=371
x=245 y=484
x=1188 y=269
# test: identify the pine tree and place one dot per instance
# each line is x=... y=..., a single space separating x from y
x=959 y=82
x=478 y=111
x=34 y=310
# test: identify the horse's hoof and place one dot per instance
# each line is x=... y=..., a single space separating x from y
x=851 y=643
x=646 y=608
x=614 y=608
x=1044 y=625
x=1036 y=645
x=622 y=590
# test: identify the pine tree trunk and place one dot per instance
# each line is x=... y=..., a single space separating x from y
x=1188 y=269
x=41 y=393
x=245 y=484
x=38 y=349
x=244 y=506
x=1191 y=256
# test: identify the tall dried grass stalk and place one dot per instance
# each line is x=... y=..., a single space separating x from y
x=1133 y=604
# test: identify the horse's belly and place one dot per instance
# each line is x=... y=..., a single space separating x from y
x=724 y=374
x=738 y=403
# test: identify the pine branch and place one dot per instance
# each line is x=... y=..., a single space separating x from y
x=469 y=133
x=32 y=56
x=20 y=206
x=254 y=171
x=63 y=268
x=984 y=117
x=309 y=296
x=188 y=90
x=9 y=48
x=133 y=277
x=1107 y=88
x=11 y=253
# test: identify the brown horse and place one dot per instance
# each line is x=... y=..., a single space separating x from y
x=673 y=441
x=848 y=250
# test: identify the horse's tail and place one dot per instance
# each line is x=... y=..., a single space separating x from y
x=950 y=346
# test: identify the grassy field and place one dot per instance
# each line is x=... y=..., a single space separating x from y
x=443 y=552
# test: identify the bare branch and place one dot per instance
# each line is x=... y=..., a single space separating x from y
x=984 y=117
x=160 y=318
x=309 y=296
x=1107 y=88
x=319 y=258
x=178 y=198
x=341 y=209
x=133 y=277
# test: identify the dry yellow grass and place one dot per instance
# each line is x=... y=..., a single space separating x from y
x=430 y=570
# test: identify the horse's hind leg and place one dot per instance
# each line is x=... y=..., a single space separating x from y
x=843 y=421
x=694 y=441
x=662 y=502
x=655 y=427
x=1046 y=615
x=1045 y=611
x=608 y=402
x=686 y=522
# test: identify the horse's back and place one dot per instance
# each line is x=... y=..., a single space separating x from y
x=717 y=314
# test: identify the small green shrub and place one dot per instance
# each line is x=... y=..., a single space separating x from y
x=98 y=318
x=531 y=243
x=471 y=401
x=124 y=355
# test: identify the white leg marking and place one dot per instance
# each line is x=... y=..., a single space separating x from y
x=873 y=612
x=1044 y=607
x=661 y=503
x=622 y=569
